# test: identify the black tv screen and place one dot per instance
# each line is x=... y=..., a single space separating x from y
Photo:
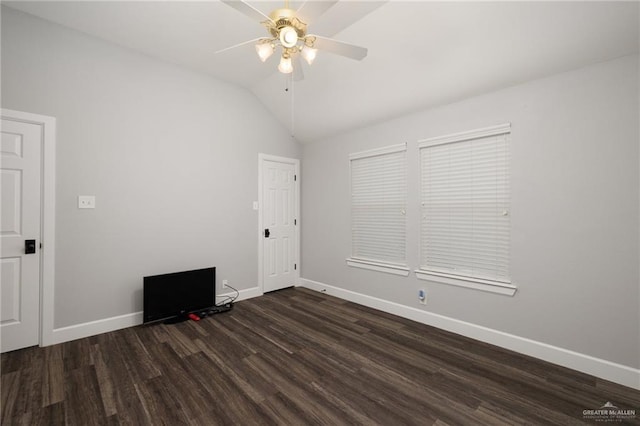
x=178 y=294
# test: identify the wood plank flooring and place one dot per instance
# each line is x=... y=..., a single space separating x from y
x=294 y=357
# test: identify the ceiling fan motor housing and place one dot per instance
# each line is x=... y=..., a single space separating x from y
x=282 y=18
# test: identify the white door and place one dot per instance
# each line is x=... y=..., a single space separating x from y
x=20 y=180
x=279 y=222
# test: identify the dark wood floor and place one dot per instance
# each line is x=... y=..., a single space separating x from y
x=294 y=357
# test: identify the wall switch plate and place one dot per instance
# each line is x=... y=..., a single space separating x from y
x=255 y=205
x=86 y=201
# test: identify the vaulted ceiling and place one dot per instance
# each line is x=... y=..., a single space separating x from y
x=421 y=54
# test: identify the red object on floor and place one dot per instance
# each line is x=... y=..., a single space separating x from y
x=194 y=317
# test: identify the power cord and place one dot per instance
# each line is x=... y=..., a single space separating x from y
x=227 y=298
x=224 y=306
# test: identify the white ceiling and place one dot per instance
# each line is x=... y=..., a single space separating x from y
x=421 y=54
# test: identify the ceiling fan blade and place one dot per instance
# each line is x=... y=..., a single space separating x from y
x=343 y=15
x=312 y=9
x=298 y=74
x=255 y=40
x=247 y=10
x=340 y=48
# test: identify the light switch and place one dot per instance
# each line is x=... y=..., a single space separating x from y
x=255 y=205
x=86 y=201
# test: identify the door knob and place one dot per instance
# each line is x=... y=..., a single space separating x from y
x=29 y=246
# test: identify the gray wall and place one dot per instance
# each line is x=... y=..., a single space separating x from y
x=575 y=200
x=171 y=156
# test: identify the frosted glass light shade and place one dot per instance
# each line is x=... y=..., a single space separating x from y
x=285 y=66
x=288 y=37
x=265 y=50
x=309 y=54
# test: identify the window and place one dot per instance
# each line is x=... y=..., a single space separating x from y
x=465 y=201
x=378 y=203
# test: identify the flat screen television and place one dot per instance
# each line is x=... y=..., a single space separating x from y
x=174 y=296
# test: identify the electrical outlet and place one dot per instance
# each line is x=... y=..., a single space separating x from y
x=86 y=201
x=225 y=283
x=422 y=296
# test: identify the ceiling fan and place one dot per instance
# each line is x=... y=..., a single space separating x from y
x=288 y=30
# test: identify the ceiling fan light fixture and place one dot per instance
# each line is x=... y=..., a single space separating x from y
x=285 y=66
x=264 y=49
x=309 y=54
x=288 y=37
x=288 y=34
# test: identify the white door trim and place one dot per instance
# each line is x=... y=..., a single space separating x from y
x=296 y=162
x=47 y=217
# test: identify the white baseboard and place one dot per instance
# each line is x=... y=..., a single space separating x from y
x=92 y=328
x=601 y=368
x=79 y=331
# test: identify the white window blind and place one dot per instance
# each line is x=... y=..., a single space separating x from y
x=465 y=197
x=378 y=203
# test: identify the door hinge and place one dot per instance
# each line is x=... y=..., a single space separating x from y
x=295 y=221
x=295 y=266
x=295 y=178
x=40 y=245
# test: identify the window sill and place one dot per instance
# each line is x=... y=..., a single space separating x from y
x=377 y=266
x=474 y=283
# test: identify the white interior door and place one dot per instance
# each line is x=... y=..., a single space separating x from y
x=20 y=180
x=279 y=222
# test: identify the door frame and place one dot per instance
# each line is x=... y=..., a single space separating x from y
x=296 y=163
x=47 y=217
